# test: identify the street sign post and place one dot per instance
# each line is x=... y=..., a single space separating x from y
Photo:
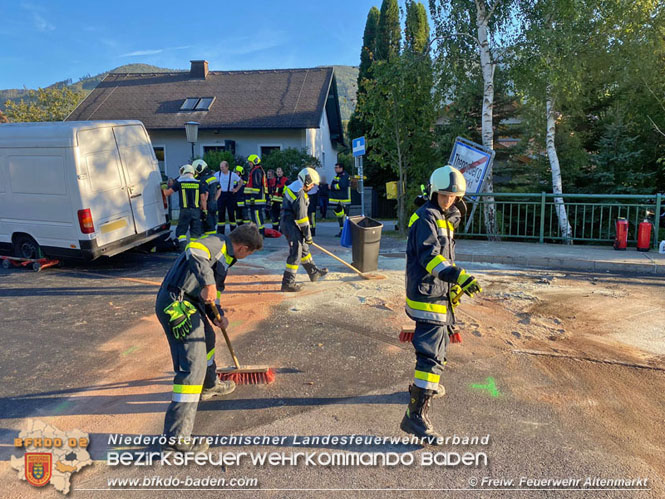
x=358 y=146
x=473 y=161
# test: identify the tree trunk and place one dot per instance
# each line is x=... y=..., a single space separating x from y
x=557 y=186
x=401 y=185
x=488 y=104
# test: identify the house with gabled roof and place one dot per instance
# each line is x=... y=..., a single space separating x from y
x=245 y=112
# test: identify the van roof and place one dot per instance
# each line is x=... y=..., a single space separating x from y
x=51 y=133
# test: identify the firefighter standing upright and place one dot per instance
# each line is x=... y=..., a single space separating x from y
x=256 y=192
x=295 y=226
x=340 y=195
x=185 y=308
x=192 y=199
x=433 y=285
x=277 y=197
x=242 y=217
x=207 y=177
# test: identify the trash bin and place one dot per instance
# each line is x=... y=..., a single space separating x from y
x=366 y=237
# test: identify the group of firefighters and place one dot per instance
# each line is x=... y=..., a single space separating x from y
x=207 y=198
x=188 y=302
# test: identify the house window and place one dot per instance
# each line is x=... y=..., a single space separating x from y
x=189 y=104
x=204 y=104
x=266 y=150
x=160 y=154
x=207 y=149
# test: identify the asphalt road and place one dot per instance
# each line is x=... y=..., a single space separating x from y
x=79 y=349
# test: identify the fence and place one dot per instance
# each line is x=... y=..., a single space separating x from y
x=592 y=217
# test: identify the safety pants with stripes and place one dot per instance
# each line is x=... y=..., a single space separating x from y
x=257 y=214
x=430 y=342
x=226 y=204
x=188 y=219
x=194 y=365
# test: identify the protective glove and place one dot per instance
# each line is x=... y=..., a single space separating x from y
x=204 y=215
x=309 y=240
x=455 y=295
x=468 y=284
x=179 y=318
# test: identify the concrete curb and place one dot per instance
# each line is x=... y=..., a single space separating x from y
x=649 y=267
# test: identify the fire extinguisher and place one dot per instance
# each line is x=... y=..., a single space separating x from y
x=644 y=234
x=621 y=237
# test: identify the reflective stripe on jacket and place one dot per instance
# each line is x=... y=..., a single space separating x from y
x=340 y=189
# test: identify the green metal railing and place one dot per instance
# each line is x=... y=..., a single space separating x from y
x=592 y=217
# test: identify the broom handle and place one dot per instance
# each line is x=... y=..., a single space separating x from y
x=218 y=318
x=337 y=258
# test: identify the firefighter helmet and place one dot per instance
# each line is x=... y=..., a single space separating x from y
x=447 y=180
x=308 y=176
x=199 y=165
x=254 y=159
x=184 y=169
x=239 y=170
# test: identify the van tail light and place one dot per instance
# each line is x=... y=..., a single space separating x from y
x=166 y=206
x=85 y=221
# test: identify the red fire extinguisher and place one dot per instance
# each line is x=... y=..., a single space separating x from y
x=621 y=237
x=644 y=235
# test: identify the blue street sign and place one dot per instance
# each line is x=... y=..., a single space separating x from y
x=358 y=146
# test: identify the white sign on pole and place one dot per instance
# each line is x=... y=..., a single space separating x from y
x=473 y=161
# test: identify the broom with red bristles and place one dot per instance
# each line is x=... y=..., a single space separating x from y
x=406 y=335
x=242 y=375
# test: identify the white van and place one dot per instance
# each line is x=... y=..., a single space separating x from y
x=78 y=189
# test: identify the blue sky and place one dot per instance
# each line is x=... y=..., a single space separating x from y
x=47 y=41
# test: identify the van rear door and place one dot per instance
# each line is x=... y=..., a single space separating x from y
x=143 y=177
x=107 y=196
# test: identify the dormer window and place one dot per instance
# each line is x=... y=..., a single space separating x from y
x=197 y=104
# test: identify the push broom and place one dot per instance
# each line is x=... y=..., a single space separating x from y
x=361 y=274
x=407 y=332
x=242 y=375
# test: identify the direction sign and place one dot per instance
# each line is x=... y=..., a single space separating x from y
x=473 y=161
x=358 y=146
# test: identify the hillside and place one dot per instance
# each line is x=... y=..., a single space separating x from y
x=85 y=84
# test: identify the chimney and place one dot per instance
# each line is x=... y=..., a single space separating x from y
x=199 y=69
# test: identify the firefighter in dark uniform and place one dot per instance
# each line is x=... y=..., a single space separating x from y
x=207 y=177
x=277 y=197
x=184 y=308
x=256 y=191
x=191 y=197
x=340 y=195
x=242 y=215
x=296 y=229
x=433 y=285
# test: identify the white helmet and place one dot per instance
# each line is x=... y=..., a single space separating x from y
x=199 y=165
x=447 y=180
x=184 y=169
x=308 y=176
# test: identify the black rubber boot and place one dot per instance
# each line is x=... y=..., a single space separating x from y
x=219 y=388
x=289 y=284
x=315 y=273
x=416 y=420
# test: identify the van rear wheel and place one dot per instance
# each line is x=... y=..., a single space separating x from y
x=27 y=247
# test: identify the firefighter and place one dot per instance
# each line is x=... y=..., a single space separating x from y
x=277 y=197
x=207 y=177
x=184 y=308
x=295 y=226
x=256 y=191
x=242 y=215
x=340 y=195
x=433 y=284
x=192 y=198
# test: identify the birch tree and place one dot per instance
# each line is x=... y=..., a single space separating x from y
x=472 y=37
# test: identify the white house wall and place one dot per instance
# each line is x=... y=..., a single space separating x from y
x=178 y=151
x=320 y=146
